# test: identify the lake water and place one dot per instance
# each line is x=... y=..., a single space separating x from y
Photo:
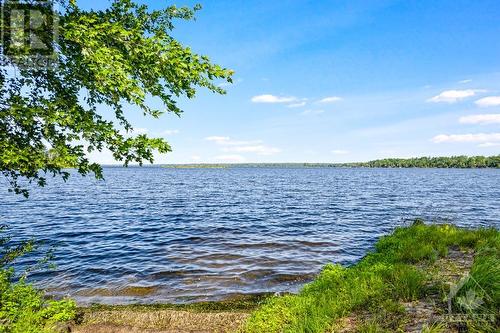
x=180 y=235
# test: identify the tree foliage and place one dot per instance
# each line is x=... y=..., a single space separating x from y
x=435 y=162
x=52 y=117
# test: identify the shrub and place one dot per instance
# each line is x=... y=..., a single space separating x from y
x=23 y=308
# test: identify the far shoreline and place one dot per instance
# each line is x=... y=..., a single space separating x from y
x=452 y=162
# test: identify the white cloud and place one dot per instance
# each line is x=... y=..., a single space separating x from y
x=170 y=132
x=260 y=150
x=218 y=139
x=481 y=119
x=230 y=158
x=331 y=99
x=453 y=96
x=273 y=99
x=480 y=137
x=340 y=152
x=241 y=143
x=296 y=105
x=488 y=101
x=234 y=146
x=195 y=158
x=465 y=81
x=227 y=141
x=312 y=112
x=489 y=144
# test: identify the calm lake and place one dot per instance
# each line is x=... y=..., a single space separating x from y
x=180 y=235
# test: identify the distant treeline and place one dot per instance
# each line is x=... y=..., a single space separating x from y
x=433 y=162
x=419 y=162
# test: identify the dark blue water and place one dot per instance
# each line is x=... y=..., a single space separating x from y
x=178 y=235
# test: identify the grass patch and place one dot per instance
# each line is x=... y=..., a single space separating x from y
x=392 y=274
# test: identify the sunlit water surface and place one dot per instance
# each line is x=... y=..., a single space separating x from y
x=181 y=235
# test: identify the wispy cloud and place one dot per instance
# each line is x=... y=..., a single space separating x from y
x=340 y=152
x=237 y=146
x=465 y=81
x=454 y=96
x=489 y=144
x=488 y=101
x=312 y=112
x=467 y=138
x=170 y=132
x=230 y=158
x=227 y=141
x=218 y=139
x=273 y=99
x=259 y=149
x=481 y=119
x=297 y=105
x=331 y=99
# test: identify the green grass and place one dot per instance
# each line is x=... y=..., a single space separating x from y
x=373 y=288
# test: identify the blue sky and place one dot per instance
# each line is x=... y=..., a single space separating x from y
x=335 y=81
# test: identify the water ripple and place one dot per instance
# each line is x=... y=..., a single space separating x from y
x=163 y=235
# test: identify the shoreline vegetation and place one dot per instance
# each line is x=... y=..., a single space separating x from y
x=462 y=162
x=421 y=278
